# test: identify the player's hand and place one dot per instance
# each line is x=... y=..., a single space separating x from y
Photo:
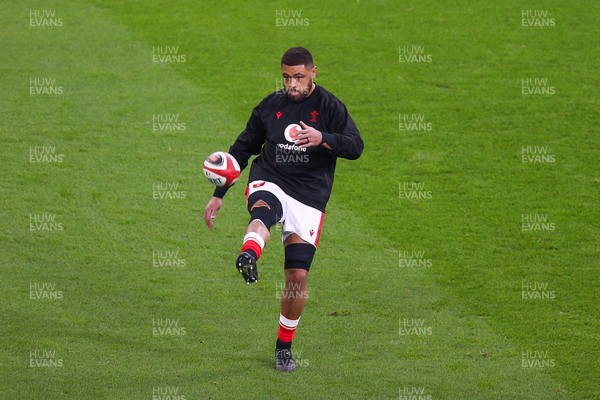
x=308 y=136
x=210 y=212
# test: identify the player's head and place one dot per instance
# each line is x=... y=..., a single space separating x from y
x=298 y=71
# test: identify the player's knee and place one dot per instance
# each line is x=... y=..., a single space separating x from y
x=265 y=207
x=296 y=276
x=300 y=256
x=260 y=203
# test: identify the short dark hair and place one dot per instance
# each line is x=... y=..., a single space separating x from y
x=297 y=56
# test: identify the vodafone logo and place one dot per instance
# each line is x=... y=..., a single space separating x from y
x=291 y=132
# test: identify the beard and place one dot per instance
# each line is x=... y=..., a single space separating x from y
x=300 y=94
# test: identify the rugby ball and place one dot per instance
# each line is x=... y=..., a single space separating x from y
x=221 y=169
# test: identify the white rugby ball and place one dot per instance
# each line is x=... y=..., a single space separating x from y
x=221 y=169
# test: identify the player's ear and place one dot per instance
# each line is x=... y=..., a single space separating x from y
x=313 y=72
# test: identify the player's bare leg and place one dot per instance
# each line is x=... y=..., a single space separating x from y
x=256 y=238
x=293 y=299
x=257 y=225
x=294 y=293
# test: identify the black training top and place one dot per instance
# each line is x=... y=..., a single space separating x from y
x=304 y=174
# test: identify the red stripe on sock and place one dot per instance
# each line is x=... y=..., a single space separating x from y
x=252 y=245
x=285 y=334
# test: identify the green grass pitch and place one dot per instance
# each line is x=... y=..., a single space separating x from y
x=459 y=257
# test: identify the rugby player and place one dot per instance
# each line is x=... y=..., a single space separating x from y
x=298 y=133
